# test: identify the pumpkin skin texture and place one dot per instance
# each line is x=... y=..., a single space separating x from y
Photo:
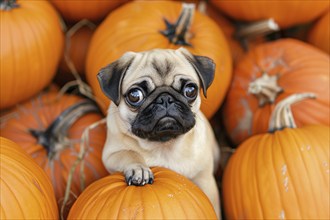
x=26 y=123
x=296 y=67
x=30 y=49
x=280 y=175
x=285 y=13
x=25 y=189
x=125 y=29
x=319 y=34
x=171 y=196
x=93 y=10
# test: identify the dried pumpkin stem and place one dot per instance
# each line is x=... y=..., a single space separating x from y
x=253 y=30
x=54 y=137
x=265 y=88
x=282 y=116
x=68 y=37
x=178 y=33
x=8 y=5
x=83 y=88
x=84 y=145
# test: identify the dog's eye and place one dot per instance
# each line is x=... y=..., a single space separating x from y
x=190 y=91
x=135 y=97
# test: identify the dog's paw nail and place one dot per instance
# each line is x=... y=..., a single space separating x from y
x=151 y=178
x=137 y=181
x=129 y=182
x=139 y=176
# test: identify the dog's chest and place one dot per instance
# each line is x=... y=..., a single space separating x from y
x=186 y=161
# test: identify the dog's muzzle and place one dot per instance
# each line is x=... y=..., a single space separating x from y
x=164 y=115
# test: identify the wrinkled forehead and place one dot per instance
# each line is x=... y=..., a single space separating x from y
x=159 y=67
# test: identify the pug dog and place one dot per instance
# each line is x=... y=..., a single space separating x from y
x=154 y=118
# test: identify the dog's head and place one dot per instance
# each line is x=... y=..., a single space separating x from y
x=157 y=91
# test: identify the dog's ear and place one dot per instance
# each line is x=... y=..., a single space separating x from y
x=111 y=77
x=203 y=66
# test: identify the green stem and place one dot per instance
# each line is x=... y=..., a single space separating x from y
x=178 y=33
x=7 y=5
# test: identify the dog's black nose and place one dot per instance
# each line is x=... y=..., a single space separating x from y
x=165 y=99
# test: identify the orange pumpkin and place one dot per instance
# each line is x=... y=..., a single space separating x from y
x=280 y=175
x=30 y=49
x=51 y=131
x=76 y=45
x=285 y=13
x=319 y=34
x=139 y=26
x=94 y=10
x=25 y=189
x=171 y=196
x=269 y=73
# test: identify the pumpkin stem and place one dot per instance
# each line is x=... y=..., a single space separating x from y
x=265 y=88
x=7 y=5
x=55 y=136
x=246 y=32
x=83 y=88
x=282 y=116
x=178 y=33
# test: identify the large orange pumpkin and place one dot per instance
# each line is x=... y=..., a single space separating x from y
x=280 y=175
x=30 y=49
x=52 y=130
x=285 y=13
x=25 y=189
x=139 y=26
x=269 y=73
x=93 y=10
x=319 y=34
x=171 y=196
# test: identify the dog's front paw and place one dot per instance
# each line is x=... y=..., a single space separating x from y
x=138 y=175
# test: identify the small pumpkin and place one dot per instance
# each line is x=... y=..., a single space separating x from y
x=60 y=135
x=267 y=74
x=319 y=34
x=25 y=189
x=283 y=174
x=171 y=196
x=93 y=10
x=30 y=49
x=285 y=13
x=144 y=25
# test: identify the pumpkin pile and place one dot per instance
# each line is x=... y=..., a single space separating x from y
x=269 y=105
